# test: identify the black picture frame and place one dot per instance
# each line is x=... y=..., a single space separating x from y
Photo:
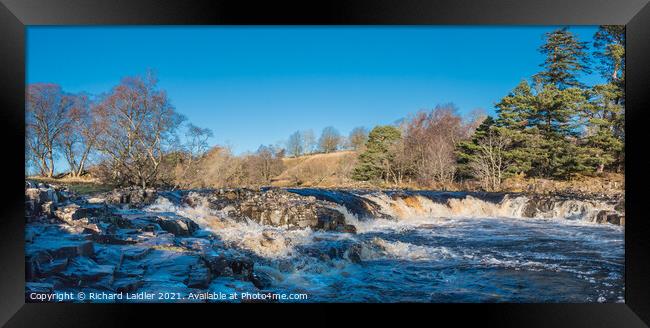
x=15 y=15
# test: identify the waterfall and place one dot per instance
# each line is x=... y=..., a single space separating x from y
x=407 y=205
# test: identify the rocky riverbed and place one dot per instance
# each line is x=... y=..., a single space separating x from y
x=240 y=240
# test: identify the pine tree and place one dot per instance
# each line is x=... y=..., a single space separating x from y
x=565 y=58
x=372 y=161
x=555 y=106
x=466 y=150
x=609 y=42
x=606 y=115
x=514 y=114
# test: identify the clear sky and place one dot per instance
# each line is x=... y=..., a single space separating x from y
x=257 y=85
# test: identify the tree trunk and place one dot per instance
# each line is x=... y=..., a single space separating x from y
x=50 y=173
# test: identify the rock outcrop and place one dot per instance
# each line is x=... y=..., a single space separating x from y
x=116 y=246
x=273 y=207
x=132 y=196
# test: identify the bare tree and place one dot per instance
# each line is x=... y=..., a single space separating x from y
x=197 y=139
x=46 y=118
x=358 y=137
x=263 y=165
x=137 y=126
x=295 y=144
x=187 y=163
x=79 y=135
x=490 y=162
x=431 y=139
x=220 y=168
x=308 y=141
x=329 y=140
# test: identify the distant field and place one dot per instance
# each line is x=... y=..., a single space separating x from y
x=322 y=170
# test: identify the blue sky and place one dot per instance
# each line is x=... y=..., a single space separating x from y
x=257 y=85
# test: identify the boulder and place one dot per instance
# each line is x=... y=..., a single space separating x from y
x=41 y=195
x=70 y=214
x=177 y=225
x=223 y=265
x=199 y=276
x=261 y=280
x=48 y=208
x=72 y=249
x=133 y=196
x=84 y=272
x=538 y=204
x=353 y=253
x=612 y=217
x=53 y=267
x=331 y=219
x=273 y=207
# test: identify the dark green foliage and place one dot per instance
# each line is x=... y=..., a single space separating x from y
x=560 y=127
x=565 y=58
x=377 y=154
x=467 y=149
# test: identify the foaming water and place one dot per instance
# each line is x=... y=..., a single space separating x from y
x=424 y=250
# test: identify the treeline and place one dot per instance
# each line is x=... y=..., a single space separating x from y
x=130 y=135
x=304 y=142
x=553 y=126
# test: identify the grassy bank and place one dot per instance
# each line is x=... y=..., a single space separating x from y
x=80 y=186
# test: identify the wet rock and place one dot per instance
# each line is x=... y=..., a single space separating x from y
x=112 y=239
x=354 y=253
x=610 y=217
x=329 y=219
x=538 y=204
x=38 y=287
x=620 y=206
x=53 y=267
x=72 y=249
x=217 y=264
x=196 y=244
x=273 y=207
x=33 y=263
x=261 y=280
x=347 y=228
x=177 y=225
x=41 y=195
x=111 y=256
x=48 y=209
x=241 y=266
x=127 y=285
x=137 y=253
x=84 y=272
x=223 y=265
x=133 y=196
x=199 y=276
x=71 y=213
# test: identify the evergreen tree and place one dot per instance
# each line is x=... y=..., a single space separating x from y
x=543 y=123
x=514 y=114
x=565 y=58
x=372 y=161
x=604 y=134
x=609 y=42
x=606 y=115
x=467 y=149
